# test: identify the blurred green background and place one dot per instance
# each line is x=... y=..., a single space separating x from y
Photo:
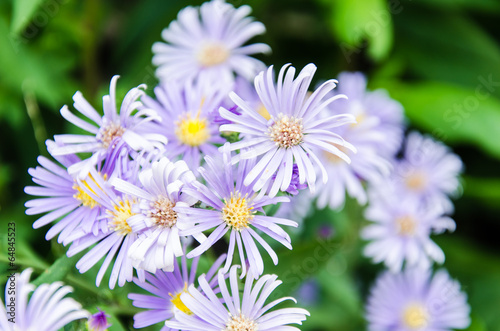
x=439 y=58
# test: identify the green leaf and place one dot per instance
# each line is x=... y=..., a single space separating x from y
x=478 y=5
x=452 y=114
x=446 y=46
x=57 y=271
x=22 y=13
x=485 y=189
x=353 y=23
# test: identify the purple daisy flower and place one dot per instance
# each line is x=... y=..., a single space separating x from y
x=186 y=120
x=428 y=172
x=385 y=115
x=115 y=238
x=401 y=232
x=98 y=321
x=233 y=208
x=47 y=309
x=207 y=43
x=230 y=312
x=128 y=126
x=293 y=132
x=416 y=300
x=64 y=198
x=155 y=220
x=166 y=289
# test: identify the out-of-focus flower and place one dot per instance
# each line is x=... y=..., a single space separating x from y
x=166 y=289
x=233 y=207
x=231 y=312
x=98 y=321
x=384 y=116
x=293 y=133
x=206 y=43
x=401 y=232
x=187 y=122
x=155 y=220
x=129 y=126
x=416 y=300
x=428 y=172
x=48 y=308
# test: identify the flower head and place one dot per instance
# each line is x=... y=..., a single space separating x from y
x=294 y=132
x=187 y=122
x=129 y=126
x=166 y=289
x=98 y=321
x=155 y=219
x=47 y=309
x=401 y=231
x=416 y=300
x=207 y=43
x=231 y=312
x=234 y=208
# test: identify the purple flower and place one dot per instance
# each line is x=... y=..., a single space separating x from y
x=47 y=309
x=128 y=126
x=187 y=123
x=155 y=220
x=115 y=237
x=401 y=232
x=416 y=300
x=233 y=208
x=98 y=321
x=166 y=289
x=206 y=43
x=293 y=131
x=384 y=115
x=295 y=185
x=428 y=172
x=64 y=198
x=230 y=311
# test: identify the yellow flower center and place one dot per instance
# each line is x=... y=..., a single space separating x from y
x=415 y=317
x=263 y=112
x=81 y=194
x=162 y=212
x=177 y=302
x=236 y=213
x=240 y=323
x=406 y=225
x=119 y=215
x=286 y=131
x=212 y=54
x=416 y=181
x=192 y=131
x=110 y=132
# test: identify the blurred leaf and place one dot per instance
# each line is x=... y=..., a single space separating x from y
x=353 y=23
x=452 y=114
x=484 y=189
x=445 y=46
x=57 y=271
x=22 y=13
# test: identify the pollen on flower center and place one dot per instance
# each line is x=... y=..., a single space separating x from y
x=109 y=133
x=287 y=131
x=192 y=131
x=119 y=215
x=240 y=323
x=81 y=194
x=162 y=212
x=406 y=225
x=416 y=181
x=236 y=213
x=177 y=302
x=212 y=54
x=415 y=317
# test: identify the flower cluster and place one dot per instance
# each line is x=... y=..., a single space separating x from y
x=161 y=179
